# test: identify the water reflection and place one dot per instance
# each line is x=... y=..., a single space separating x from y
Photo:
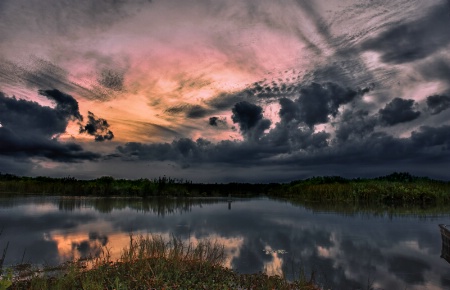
x=347 y=249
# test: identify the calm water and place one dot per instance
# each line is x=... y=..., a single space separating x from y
x=346 y=251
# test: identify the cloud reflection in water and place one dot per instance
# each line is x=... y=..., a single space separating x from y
x=345 y=251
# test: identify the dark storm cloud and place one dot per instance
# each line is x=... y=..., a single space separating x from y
x=250 y=119
x=413 y=40
x=398 y=111
x=301 y=147
x=424 y=144
x=431 y=136
x=289 y=110
x=15 y=166
x=98 y=128
x=436 y=68
x=21 y=116
x=355 y=124
x=188 y=151
x=157 y=151
x=294 y=142
x=247 y=115
x=65 y=103
x=291 y=133
x=438 y=103
x=36 y=146
x=289 y=138
x=316 y=103
x=29 y=129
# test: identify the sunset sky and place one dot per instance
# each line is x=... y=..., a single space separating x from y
x=222 y=90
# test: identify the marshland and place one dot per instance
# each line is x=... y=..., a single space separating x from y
x=317 y=233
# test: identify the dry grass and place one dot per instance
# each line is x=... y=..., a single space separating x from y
x=151 y=262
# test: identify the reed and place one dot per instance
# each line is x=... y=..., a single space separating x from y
x=151 y=262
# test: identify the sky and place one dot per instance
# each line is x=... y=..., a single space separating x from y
x=222 y=91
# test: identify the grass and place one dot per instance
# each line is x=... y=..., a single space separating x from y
x=150 y=262
x=387 y=190
x=396 y=188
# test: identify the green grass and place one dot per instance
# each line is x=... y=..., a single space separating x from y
x=396 y=188
x=151 y=262
x=387 y=190
x=108 y=186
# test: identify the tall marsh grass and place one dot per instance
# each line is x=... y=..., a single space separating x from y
x=373 y=191
x=151 y=262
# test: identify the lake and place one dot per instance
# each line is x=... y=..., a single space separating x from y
x=346 y=249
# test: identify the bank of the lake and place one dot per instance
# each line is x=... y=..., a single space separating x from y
x=149 y=262
x=396 y=188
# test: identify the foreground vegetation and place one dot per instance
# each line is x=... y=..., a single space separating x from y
x=396 y=188
x=150 y=263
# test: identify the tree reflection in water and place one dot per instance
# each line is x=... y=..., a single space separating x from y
x=346 y=246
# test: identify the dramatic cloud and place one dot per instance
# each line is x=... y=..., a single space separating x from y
x=289 y=110
x=302 y=148
x=413 y=40
x=438 y=103
x=247 y=115
x=30 y=130
x=98 y=128
x=179 y=150
x=293 y=140
x=187 y=151
x=355 y=124
x=398 y=111
x=288 y=86
x=65 y=104
x=436 y=68
x=316 y=103
x=250 y=119
x=432 y=137
x=23 y=116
